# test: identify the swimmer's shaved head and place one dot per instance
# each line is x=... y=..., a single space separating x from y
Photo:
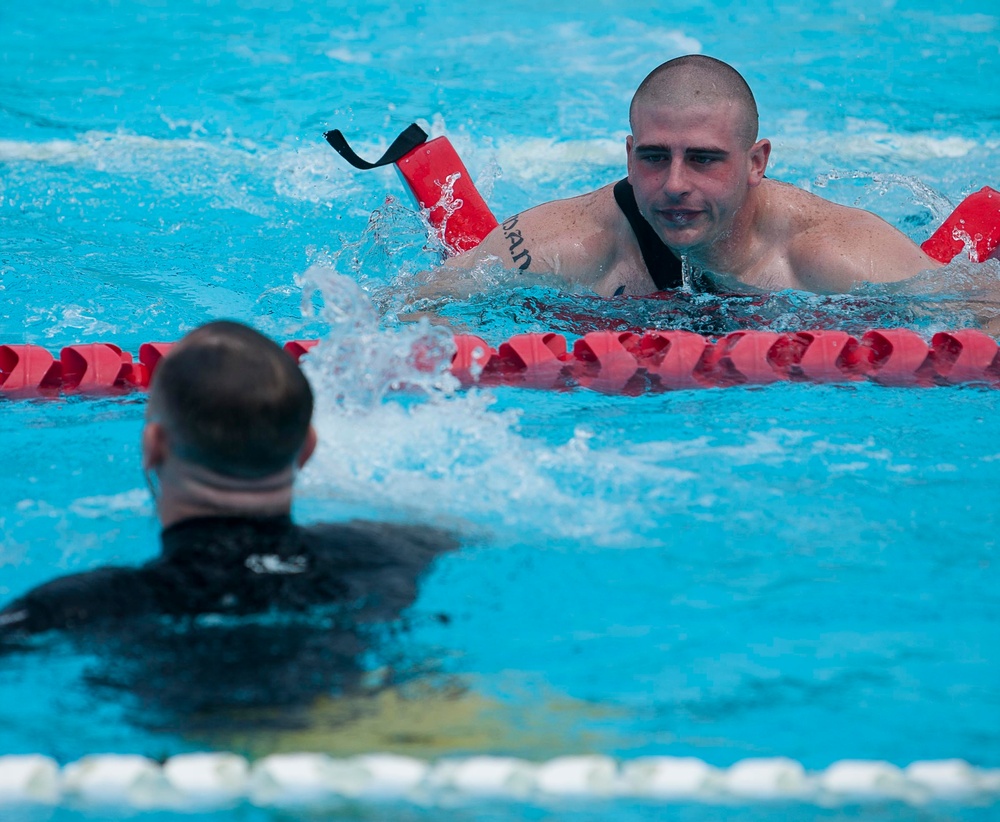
x=232 y=400
x=697 y=80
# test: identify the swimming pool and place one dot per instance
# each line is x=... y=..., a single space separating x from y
x=791 y=571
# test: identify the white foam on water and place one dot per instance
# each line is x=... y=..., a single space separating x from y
x=307 y=780
x=976 y=23
x=136 y=502
x=236 y=174
x=296 y=778
x=889 y=145
x=241 y=175
x=627 y=49
x=358 y=57
x=543 y=160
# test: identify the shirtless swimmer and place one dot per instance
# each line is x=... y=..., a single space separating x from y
x=696 y=187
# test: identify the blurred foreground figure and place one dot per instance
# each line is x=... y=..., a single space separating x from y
x=258 y=610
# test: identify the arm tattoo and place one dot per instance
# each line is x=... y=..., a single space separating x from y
x=516 y=240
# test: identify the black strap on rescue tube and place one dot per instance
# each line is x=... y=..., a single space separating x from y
x=411 y=137
x=662 y=264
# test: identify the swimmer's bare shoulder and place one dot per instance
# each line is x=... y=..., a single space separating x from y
x=831 y=248
x=583 y=239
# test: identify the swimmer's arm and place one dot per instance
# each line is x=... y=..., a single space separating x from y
x=857 y=248
x=560 y=239
x=466 y=274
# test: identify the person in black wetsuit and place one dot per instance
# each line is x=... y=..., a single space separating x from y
x=240 y=585
x=696 y=188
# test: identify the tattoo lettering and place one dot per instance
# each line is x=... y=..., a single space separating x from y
x=516 y=239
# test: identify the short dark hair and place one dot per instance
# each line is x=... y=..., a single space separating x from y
x=719 y=81
x=233 y=401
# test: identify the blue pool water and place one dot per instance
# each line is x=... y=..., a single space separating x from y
x=798 y=570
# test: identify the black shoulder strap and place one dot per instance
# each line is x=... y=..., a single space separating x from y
x=663 y=266
x=411 y=137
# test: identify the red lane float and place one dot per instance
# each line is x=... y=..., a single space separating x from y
x=28 y=367
x=631 y=363
x=606 y=361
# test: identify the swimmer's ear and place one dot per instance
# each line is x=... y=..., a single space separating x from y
x=154 y=446
x=629 y=142
x=307 y=447
x=759 y=154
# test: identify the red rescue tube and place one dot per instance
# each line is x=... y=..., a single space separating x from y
x=441 y=183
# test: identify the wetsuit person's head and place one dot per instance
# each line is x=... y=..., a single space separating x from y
x=228 y=423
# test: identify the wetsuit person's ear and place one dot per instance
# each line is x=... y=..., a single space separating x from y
x=307 y=448
x=154 y=446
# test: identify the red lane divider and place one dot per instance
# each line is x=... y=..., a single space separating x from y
x=96 y=367
x=605 y=361
x=28 y=367
x=150 y=354
x=741 y=357
x=964 y=356
x=672 y=357
x=817 y=356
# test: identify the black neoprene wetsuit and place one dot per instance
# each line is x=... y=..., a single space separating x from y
x=236 y=613
x=663 y=266
x=239 y=566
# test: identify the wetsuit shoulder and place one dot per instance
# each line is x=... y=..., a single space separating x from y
x=378 y=564
x=77 y=601
x=663 y=266
x=251 y=565
x=240 y=566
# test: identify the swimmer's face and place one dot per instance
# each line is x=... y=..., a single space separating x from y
x=692 y=171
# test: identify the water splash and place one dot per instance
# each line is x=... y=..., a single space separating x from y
x=394 y=427
x=910 y=192
x=359 y=363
